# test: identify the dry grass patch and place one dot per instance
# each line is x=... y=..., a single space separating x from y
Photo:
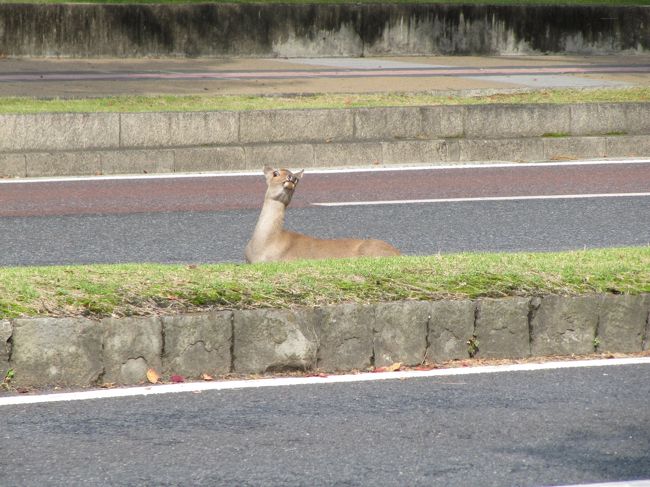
x=190 y=103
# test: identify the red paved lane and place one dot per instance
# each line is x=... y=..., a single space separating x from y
x=327 y=73
x=242 y=192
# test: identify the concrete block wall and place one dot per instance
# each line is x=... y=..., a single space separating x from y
x=89 y=144
x=308 y=30
x=81 y=351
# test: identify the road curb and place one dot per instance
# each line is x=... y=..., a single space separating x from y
x=68 y=144
x=84 y=352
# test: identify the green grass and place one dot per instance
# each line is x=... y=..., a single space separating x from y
x=479 y=2
x=138 y=289
x=239 y=102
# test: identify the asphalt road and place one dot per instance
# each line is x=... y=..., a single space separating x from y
x=196 y=219
x=72 y=78
x=209 y=219
x=553 y=427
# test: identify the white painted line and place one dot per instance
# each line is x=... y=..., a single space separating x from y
x=489 y=198
x=630 y=483
x=296 y=381
x=333 y=170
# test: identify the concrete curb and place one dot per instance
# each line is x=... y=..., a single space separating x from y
x=63 y=144
x=83 y=352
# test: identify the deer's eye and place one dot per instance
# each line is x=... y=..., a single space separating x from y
x=276 y=174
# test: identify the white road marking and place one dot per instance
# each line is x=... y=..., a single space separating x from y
x=296 y=381
x=488 y=198
x=334 y=170
x=630 y=483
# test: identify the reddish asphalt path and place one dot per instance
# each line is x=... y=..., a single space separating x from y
x=217 y=193
x=326 y=73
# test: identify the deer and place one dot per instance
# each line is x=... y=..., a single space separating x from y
x=270 y=242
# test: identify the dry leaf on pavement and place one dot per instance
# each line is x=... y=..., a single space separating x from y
x=152 y=376
x=390 y=368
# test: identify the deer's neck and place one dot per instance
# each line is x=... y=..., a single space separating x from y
x=271 y=220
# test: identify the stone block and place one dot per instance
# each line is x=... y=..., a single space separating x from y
x=443 y=121
x=199 y=128
x=414 y=151
x=637 y=118
x=348 y=154
x=63 y=164
x=12 y=166
x=289 y=41
x=622 y=322
x=502 y=328
x=503 y=121
x=597 y=118
x=197 y=343
x=137 y=161
x=295 y=126
x=6 y=331
x=288 y=156
x=131 y=346
x=209 y=159
x=59 y=131
x=57 y=351
x=524 y=149
x=345 y=336
x=558 y=148
x=628 y=146
x=269 y=339
x=387 y=123
x=564 y=325
x=145 y=130
x=400 y=332
x=450 y=326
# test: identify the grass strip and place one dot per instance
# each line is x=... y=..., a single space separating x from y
x=146 y=289
x=171 y=103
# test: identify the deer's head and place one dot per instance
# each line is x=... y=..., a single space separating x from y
x=281 y=183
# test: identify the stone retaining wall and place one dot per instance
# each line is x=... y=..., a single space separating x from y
x=218 y=29
x=80 y=351
x=57 y=144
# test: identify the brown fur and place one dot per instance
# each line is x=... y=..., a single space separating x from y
x=271 y=242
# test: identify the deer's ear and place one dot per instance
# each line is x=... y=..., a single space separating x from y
x=299 y=174
x=268 y=171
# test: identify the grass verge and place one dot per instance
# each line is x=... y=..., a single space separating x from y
x=170 y=103
x=145 y=289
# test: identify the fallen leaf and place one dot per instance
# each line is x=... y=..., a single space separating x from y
x=390 y=368
x=426 y=367
x=108 y=385
x=152 y=376
x=395 y=367
x=22 y=390
x=177 y=378
x=206 y=377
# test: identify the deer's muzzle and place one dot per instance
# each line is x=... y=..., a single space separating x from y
x=290 y=182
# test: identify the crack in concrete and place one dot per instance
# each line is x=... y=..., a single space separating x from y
x=533 y=307
x=231 y=368
x=646 y=333
x=596 y=340
x=427 y=343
